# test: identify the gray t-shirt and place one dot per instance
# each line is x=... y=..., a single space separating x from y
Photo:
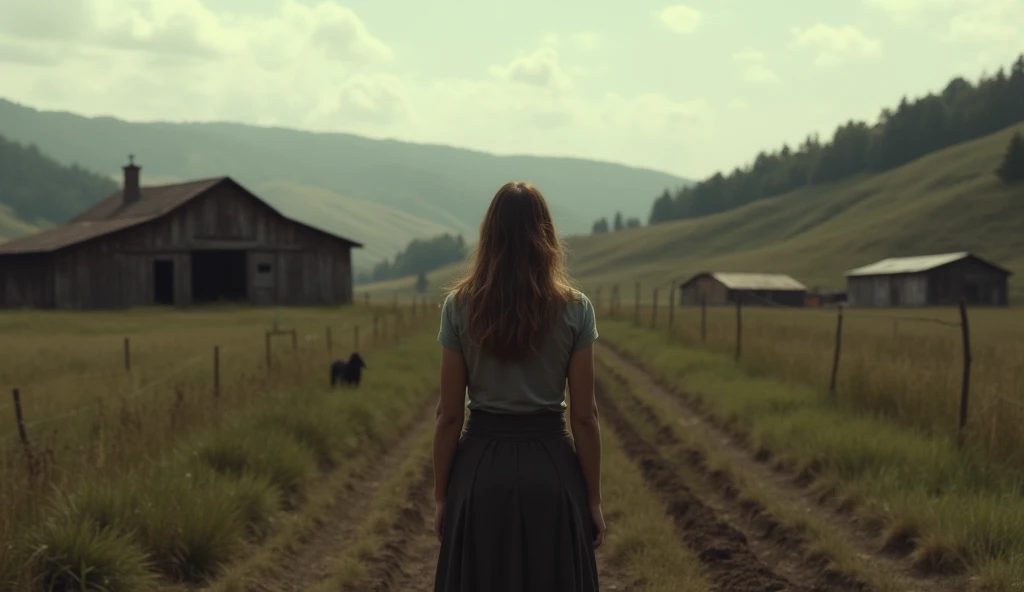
x=529 y=386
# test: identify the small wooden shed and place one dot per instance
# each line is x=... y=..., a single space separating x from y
x=929 y=280
x=756 y=289
x=203 y=241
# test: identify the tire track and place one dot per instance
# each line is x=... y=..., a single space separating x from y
x=728 y=561
x=781 y=486
x=305 y=562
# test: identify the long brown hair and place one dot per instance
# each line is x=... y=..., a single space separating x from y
x=516 y=288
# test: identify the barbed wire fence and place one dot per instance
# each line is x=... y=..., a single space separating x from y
x=741 y=298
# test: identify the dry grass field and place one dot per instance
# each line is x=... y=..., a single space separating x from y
x=110 y=439
x=905 y=364
x=885 y=448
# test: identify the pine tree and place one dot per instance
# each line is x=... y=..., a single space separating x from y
x=1012 y=168
x=618 y=221
x=601 y=226
x=421 y=282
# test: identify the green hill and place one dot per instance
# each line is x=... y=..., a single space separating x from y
x=36 y=190
x=415 y=190
x=947 y=201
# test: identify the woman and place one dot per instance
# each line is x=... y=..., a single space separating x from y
x=518 y=503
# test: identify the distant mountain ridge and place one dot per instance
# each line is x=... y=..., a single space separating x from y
x=433 y=188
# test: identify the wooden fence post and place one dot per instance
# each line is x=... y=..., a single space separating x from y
x=127 y=355
x=965 y=385
x=216 y=371
x=355 y=338
x=739 y=324
x=394 y=305
x=703 y=318
x=672 y=308
x=839 y=346
x=636 y=313
x=654 y=309
x=330 y=345
x=376 y=329
x=267 y=347
x=366 y=299
x=30 y=456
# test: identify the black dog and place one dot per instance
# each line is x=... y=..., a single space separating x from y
x=348 y=372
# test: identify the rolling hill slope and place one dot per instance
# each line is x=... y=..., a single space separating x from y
x=946 y=201
x=431 y=187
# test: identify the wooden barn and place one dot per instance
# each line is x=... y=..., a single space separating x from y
x=756 y=289
x=930 y=280
x=198 y=242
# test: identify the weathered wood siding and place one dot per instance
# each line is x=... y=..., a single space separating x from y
x=980 y=284
x=717 y=294
x=287 y=263
x=708 y=287
x=26 y=281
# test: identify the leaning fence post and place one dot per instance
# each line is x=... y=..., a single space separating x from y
x=127 y=355
x=965 y=386
x=30 y=457
x=216 y=371
x=739 y=324
x=839 y=346
x=654 y=309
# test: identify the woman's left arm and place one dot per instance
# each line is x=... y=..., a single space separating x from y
x=451 y=413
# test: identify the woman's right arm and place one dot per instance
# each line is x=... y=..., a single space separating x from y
x=586 y=430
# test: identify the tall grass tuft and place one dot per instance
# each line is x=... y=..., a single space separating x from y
x=71 y=552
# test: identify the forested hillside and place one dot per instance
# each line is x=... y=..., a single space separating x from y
x=38 y=189
x=961 y=112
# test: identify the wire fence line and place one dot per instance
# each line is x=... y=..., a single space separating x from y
x=615 y=309
x=389 y=325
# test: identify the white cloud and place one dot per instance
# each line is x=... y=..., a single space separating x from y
x=753 y=65
x=680 y=18
x=835 y=45
x=319 y=67
x=540 y=68
x=188 y=28
x=994 y=23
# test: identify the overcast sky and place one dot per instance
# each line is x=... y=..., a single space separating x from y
x=686 y=88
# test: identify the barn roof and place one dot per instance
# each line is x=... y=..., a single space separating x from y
x=112 y=214
x=753 y=281
x=899 y=265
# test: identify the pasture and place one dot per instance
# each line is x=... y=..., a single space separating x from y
x=906 y=364
x=129 y=410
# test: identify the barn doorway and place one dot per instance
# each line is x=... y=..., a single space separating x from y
x=218 y=276
x=163 y=282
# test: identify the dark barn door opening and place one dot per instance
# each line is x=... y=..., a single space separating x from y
x=218 y=276
x=163 y=282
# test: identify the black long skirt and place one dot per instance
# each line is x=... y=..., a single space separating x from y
x=516 y=515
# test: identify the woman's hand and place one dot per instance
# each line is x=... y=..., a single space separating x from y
x=599 y=527
x=438 y=519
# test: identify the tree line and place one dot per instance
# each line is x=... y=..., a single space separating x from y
x=418 y=258
x=38 y=188
x=601 y=226
x=961 y=112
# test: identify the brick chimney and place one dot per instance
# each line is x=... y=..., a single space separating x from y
x=131 y=191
